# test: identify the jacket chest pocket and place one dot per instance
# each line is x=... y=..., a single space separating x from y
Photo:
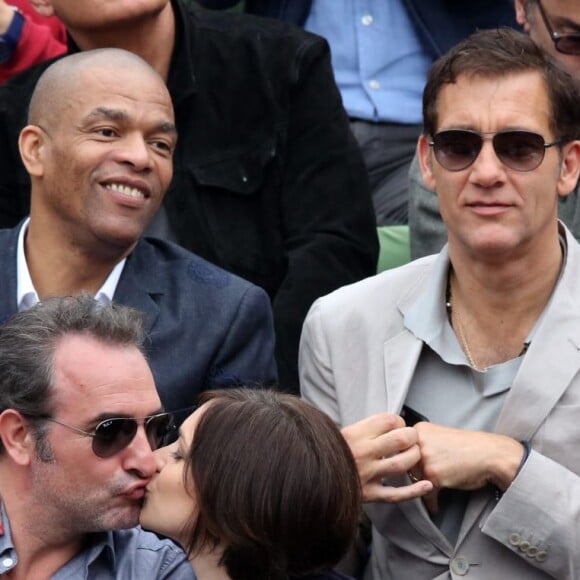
x=227 y=209
x=241 y=172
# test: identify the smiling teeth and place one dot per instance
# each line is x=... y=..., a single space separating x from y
x=125 y=190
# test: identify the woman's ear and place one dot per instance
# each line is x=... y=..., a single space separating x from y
x=32 y=146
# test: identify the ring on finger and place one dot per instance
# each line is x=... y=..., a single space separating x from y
x=413 y=477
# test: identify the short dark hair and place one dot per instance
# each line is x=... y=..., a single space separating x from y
x=275 y=484
x=498 y=53
x=29 y=338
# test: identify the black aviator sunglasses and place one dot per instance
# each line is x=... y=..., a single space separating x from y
x=457 y=149
x=568 y=43
x=111 y=436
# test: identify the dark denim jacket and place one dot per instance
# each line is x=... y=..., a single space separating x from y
x=268 y=180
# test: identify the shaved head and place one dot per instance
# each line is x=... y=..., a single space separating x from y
x=98 y=147
x=62 y=77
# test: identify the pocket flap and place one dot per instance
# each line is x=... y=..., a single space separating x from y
x=240 y=171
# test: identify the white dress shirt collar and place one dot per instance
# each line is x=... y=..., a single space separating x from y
x=26 y=295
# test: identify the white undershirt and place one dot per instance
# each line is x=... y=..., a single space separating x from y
x=26 y=295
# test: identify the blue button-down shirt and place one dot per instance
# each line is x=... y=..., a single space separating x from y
x=379 y=64
x=132 y=554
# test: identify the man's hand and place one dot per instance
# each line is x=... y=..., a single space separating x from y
x=467 y=460
x=382 y=446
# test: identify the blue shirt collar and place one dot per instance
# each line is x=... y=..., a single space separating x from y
x=100 y=545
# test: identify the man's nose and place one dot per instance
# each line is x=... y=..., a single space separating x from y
x=487 y=169
x=139 y=456
x=134 y=150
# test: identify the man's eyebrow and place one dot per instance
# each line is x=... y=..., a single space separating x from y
x=106 y=113
x=119 y=115
x=106 y=416
x=168 y=128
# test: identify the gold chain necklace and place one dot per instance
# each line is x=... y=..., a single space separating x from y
x=458 y=324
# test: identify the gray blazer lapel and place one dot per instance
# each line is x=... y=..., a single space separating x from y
x=401 y=354
x=552 y=361
x=553 y=358
x=549 y=366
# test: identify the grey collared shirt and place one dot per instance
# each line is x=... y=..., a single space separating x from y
x=127 y=554
x=446 y=389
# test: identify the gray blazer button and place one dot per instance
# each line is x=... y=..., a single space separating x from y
x=515 y=539
x=460 y=566
x=524 y=546
x=532 y=551
x=542 y=556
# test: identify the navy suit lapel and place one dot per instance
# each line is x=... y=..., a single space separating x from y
x=8 y=245
x=140 y=282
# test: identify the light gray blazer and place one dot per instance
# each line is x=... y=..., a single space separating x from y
x=357 y=359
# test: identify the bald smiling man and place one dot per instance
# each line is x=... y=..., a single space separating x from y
x=98 y=149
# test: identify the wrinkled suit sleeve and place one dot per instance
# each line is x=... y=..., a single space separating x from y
x=327 y=214
x=538 y=518
x=246 y=355
x=317 y=386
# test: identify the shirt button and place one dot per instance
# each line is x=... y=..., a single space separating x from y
x=367 y=20
x=7 y=562
x=460 y=566
x=374 y=85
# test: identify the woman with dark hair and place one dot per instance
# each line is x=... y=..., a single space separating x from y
x=259 y=486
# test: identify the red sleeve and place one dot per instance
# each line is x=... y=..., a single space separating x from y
x=36 y=44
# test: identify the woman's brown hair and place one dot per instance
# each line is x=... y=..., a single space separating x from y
x=275 y=484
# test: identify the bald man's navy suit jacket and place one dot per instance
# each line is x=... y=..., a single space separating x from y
x=206 y=328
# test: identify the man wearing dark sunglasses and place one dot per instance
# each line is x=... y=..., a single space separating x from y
x=477 y=346
x=555 y=27
x=79 y=420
